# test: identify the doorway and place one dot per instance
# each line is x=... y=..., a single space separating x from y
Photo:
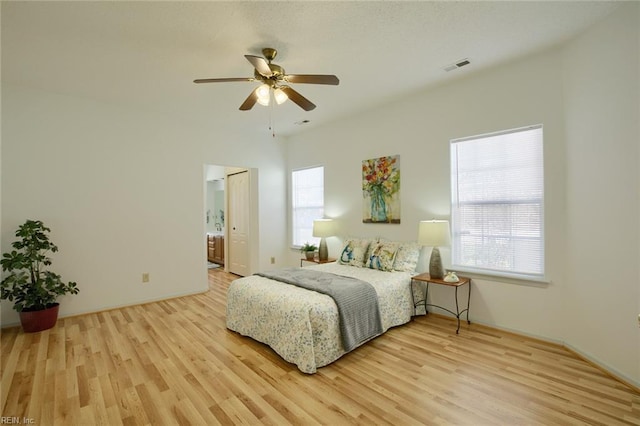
x=215 y=216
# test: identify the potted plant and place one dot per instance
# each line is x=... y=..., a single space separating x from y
x=33 y=289
x=309 y=250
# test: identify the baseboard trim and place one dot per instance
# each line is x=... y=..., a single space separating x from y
x=603 y=367
x=607 y=369
x=113 y=308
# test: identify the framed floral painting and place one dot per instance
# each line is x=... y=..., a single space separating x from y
x=381 y=190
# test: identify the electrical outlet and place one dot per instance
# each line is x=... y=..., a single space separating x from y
x=273 y=260
x=145 y=277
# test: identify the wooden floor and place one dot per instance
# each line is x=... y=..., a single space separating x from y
x=174 y=362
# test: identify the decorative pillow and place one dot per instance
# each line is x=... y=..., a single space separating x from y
x=372 y=246
x=382 y=255
x=354 y=252
x=407 y=257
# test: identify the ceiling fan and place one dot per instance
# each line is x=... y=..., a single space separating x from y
x=274 y=81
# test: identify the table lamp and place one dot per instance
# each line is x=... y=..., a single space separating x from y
x=323 y=228
x=434 y=233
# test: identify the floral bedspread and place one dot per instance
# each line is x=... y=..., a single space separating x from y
x=301 y=325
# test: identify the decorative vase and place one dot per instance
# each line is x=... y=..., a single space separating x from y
x=435 y=264
x=34 y=321
x=378 y=205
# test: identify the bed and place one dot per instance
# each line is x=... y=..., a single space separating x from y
x=302 y=326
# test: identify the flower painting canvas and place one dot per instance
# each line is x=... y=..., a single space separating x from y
x=381 y=190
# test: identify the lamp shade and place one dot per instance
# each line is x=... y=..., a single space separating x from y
x=323 y=228
x=434 y=233
x=280 y=96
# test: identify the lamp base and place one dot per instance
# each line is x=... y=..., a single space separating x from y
x=435 y=264
x=323 y=251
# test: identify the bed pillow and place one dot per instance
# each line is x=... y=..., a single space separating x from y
x=382 y=255
x=407 y=257
x=354 y=252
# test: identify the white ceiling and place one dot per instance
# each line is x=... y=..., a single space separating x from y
x=146 y=54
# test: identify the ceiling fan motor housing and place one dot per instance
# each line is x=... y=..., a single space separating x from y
x=276 y=70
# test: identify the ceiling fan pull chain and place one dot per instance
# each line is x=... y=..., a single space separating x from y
x=273 y=131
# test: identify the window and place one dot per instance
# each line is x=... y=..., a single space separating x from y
x=497 y=203
x=307 y=203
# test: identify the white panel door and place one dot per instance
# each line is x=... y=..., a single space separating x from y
x=238 y=223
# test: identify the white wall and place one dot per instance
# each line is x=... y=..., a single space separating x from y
x=123 y=192
x=419 y=128
x=601 y=87
x=529 y=91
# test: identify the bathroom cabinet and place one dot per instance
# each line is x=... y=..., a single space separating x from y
x=215 y=249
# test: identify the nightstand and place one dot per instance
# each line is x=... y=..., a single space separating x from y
x=426 y=278
x=316 y=260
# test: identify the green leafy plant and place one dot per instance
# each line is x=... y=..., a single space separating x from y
x=28 y=284
x=308 y=247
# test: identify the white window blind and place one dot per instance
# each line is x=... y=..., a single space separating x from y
x=307 y=198
x=497 y=203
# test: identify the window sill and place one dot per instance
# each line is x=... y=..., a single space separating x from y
x=503 y=277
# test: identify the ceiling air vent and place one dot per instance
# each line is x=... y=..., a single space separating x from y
x=459 y=64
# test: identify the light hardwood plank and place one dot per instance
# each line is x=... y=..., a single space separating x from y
x=174 y=362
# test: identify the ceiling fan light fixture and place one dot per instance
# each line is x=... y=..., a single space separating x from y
x=264 y=94
x=280 y=96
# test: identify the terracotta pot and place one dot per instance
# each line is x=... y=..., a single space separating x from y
x=33 y=321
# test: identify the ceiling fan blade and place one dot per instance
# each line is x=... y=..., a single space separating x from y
x=297 y=98
x=250 y=101
x=312 y=79
x=222 y=80
x=260 y=64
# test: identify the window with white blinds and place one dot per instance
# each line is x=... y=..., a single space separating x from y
x=307 y=199
x=497 y=203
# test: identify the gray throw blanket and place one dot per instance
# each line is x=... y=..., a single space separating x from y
x=357 y=301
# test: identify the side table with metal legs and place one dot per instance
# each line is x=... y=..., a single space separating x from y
x=426 y=278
